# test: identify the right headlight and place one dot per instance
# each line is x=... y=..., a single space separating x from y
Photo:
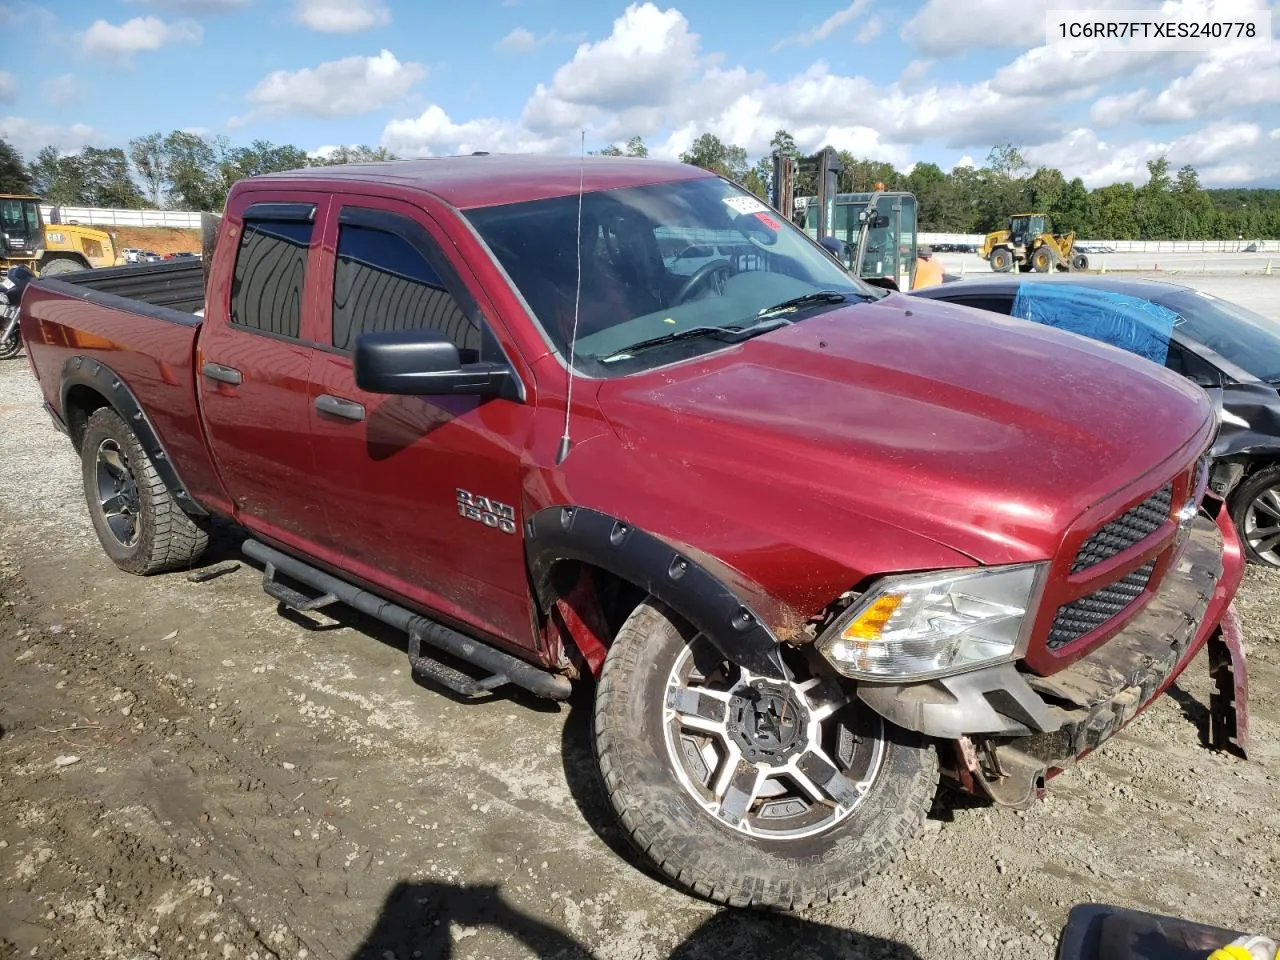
x=919 y=626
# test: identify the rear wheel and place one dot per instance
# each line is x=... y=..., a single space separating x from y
x=745 y=790
x=140 y=526
x=1001 y=259
x=58 y=265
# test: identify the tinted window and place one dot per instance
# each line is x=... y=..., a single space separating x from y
x=655 y=260
x=382 y=282
x=1239 y=336
x=271 y=265
x=994 y=302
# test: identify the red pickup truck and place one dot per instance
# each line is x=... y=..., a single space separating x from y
x=814 y=544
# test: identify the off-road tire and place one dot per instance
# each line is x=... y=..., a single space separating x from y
x=168 y=538
x=1079 y=261
x=699 y=853
x=1238 y=505
x=1001 y=260
x=1042 y=260
x=57 y=265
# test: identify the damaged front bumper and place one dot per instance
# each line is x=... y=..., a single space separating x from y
x=1013 y=730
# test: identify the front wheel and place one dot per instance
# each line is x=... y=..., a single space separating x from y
x=1255 y=510
x=10 y=346
x=745 y=790
x=60 y=265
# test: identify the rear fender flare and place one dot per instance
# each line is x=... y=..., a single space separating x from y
x=101 y=379
x=664 y=571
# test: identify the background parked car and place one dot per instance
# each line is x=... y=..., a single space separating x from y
x=1232 y=352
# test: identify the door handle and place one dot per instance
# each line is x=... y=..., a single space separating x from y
x=216 y=371
x=338 y=407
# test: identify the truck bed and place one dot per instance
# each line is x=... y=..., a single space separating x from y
x=139 y=323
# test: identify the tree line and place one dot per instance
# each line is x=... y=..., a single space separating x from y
x=184 y=170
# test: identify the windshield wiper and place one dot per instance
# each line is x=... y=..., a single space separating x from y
x=805 y=300
x=730 y=334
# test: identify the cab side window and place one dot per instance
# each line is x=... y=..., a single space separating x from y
x=383 y=282
x=270 y=271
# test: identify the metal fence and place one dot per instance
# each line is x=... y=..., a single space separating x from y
x=100 y=217
x=182 y=219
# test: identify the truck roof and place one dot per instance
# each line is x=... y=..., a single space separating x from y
x=489 y=179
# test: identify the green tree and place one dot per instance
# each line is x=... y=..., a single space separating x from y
x=195 y=181
x=710 y=153
x=14 y=177
x=1072 y=212
x=57 y=178
x=356 y=154
x=108 y=180
x=152 y=163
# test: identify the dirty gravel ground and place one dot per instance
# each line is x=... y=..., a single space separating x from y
x=244 y=787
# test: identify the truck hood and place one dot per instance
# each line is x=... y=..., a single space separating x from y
x=986 y=434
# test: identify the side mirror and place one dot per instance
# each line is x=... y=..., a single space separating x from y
x=423 y=362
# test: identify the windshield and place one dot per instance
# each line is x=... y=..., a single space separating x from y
x=20 y=217
x=1241 y=337
x=659 y=260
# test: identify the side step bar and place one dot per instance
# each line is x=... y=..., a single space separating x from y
x=501 y=667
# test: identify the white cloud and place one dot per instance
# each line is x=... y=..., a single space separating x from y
x=914 y=72
x=433 y=133
x=333 y=89
x=521 y=40
x=1223 y=153
x=1055 y=69
x=61 y=90
x=1118 y=108
x=197 y=7
x=341 y=16
x=1218 y=83
x=965 y=161
x=31 y=136
x=826 y=28
x=870 y=30
x=139 y=35
x=942 y=28
x=8 y=87
x=518 y=40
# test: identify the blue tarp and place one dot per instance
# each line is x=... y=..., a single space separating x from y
x=1130 y=323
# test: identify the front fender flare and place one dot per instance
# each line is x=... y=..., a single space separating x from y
x=589 y=536
x=97 y=376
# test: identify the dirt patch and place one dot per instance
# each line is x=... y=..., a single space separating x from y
x=160 y=239
x=185 y=773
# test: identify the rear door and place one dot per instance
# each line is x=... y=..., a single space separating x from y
x=423 y=493
x=254 y=363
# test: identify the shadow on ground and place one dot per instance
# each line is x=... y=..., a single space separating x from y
x=421 y=920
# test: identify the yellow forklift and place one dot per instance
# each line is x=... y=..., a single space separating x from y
x=877 y=228
x=53 y=248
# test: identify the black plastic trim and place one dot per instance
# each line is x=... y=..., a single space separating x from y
x=267 y=210
x=88 y=372
x=589 y=536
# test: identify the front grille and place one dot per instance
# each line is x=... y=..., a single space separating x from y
x=1080 y=617
x=1130 y=528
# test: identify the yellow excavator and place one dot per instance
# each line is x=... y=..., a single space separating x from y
x=1029 y=245
x=53 y=248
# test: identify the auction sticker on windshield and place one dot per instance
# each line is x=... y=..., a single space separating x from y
x=745 y=205
x=768 y=221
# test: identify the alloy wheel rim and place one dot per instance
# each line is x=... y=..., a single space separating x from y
x=768 y=759
x=117 y=492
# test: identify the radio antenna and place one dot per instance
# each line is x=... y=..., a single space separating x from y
x=565 y=442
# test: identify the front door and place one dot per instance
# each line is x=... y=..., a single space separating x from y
x=422 y=493
x=254 y=365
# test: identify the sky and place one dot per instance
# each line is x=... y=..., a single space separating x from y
x=899 y=80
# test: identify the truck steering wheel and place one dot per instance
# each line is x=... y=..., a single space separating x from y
x=701 y=276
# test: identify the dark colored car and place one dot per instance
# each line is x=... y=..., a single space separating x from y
x=812 y=544
x=1232 y=352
